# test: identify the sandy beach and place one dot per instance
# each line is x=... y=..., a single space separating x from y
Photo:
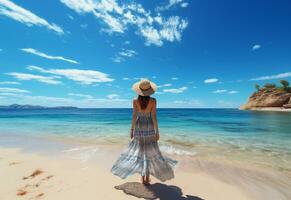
x=56 y=177
x=69 y=179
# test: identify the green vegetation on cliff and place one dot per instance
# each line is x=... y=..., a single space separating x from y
x=271 y=86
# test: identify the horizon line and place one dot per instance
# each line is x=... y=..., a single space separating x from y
x=120 y=107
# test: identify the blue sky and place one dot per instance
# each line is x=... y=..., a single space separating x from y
x=88 y=53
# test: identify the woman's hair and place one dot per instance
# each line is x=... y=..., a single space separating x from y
x=143 y=101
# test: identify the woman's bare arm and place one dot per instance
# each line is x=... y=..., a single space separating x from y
x=155 y=120
x=133 y=118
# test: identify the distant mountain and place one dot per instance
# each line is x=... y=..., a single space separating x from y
x=17 y=106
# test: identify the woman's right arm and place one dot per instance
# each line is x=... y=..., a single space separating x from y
x=133 y=118
x=155 y=120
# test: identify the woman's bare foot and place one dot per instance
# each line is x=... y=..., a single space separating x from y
x=142 y=180
x=148 y=180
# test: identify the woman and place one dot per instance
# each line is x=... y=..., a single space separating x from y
x=143 y=155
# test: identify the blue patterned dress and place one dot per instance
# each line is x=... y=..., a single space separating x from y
x=143 y=155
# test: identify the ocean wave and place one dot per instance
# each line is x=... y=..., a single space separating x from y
x=174 y=150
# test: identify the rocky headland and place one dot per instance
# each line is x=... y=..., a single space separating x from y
x=270 y=97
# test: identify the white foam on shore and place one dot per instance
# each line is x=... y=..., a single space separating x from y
x=77 y=149
x=173 y=150
x=83 y=154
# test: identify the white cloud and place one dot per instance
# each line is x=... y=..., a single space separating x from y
x=174 y=78
x=70 y=17
x=219 y=91
x=165 y=85
x=225 y=91
x=84 y=26
x=86 y=77
x=127 y=53
x=211 y=80
x=256 y=47
x=27 y=77
x=188 y=102
x=152 y=36
x=124 y=53
x=40 y=100
x=172 y=3
x=233 y=92
x=175 y=90
x=171 y=30
x=120 y=17
x=38 y=53
x=13 y=11
x=276 y=76
x=64 y=101
x=9 y=83
x=125 y=78
x=13 y=90
x=118 y=59
x=102 y=10
x=80 y=95
x=158 y=19
x=184 y=5
x=10 y=94
x=185 y=103
x=113 y=96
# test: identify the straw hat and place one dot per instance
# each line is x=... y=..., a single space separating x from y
x=144 y=87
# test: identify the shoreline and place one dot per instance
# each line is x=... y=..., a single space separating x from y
x=192 y=148
x=194 y=174
x=259 y=157
x=275 y=109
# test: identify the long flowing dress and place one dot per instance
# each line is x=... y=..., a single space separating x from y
x=143 y=155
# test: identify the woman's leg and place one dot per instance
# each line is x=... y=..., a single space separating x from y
x=147 y=180
x=143 y=179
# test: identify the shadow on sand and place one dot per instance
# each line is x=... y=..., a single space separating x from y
x=155 y=191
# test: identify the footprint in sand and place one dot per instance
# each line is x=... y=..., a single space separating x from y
x=14 y=163
x=47 y=178
x=29 y=188
x=34 y=174
x=39 y=195
x=21 y=192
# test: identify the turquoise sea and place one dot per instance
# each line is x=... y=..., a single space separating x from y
x=261 y=138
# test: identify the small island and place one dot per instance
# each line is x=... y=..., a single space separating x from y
x=270 y=97
x=17 y=106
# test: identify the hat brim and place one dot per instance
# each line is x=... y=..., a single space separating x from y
x=148 y=92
